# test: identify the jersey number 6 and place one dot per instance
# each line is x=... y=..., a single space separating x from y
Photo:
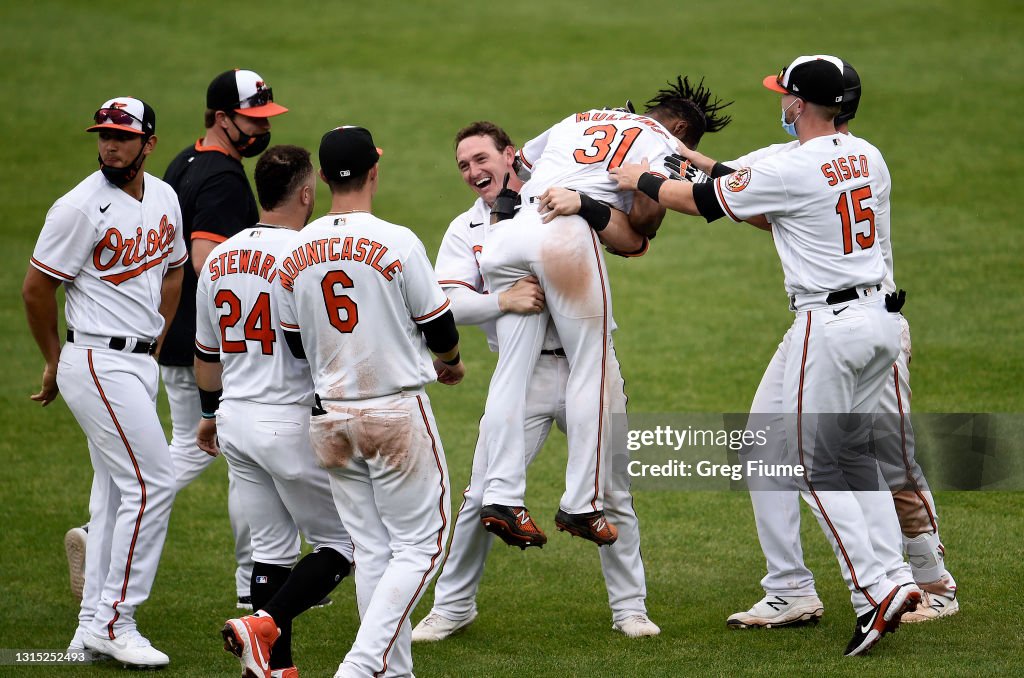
x=339 y=302
x=860 y=213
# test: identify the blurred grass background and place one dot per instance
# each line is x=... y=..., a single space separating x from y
x=699 y=316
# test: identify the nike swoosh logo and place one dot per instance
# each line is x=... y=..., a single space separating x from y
x=104 y=209
x=865 y=629
x=840 y=310
x=474 y=224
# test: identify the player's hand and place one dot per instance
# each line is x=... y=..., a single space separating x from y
x=525 y=297
x=449 y=374
x=628 y=175
x=206 y=437
x=49 y=392
x=558 y=202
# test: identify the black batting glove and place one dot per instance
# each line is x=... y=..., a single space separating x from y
x=506 y=204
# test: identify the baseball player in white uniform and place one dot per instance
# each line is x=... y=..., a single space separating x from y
x=362 y=304
x=485 y=155
x=257 y=399
x=790 y=595
x=115 y=243
x=565 y=256
x=844 y=340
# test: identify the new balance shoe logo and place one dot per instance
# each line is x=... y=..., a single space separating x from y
x=778 y=603
x=599 y=525
x=522 y=516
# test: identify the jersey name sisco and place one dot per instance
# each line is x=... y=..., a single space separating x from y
x=578 y=152
x=112 y=251
x=357 y=287
x=825 y=201
x=237 y=317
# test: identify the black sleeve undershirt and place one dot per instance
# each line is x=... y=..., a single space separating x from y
x=707 y=204
x=441 y=333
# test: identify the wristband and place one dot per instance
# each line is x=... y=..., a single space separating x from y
x=454 y=361
x=209 y=401
x=649 y=185
x=596 y=213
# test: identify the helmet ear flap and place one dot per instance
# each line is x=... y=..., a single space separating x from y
x=851 y=94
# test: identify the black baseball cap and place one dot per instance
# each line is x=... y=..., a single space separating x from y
x=126 y=114
x=817 y=79
x=347 y=151
x=243 y=92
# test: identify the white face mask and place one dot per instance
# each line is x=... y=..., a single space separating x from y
x=790 y=127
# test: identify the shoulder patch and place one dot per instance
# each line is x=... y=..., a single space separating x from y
x=738 y=180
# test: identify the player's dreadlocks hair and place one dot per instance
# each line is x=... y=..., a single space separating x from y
x=694 y=105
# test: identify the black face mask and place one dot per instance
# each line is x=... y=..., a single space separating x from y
x=250 y=145
x=120 y=176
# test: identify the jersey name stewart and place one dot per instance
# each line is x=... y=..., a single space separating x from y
x=827 y=212
x=112 y=251
x=237 y=317
x=578 y=152
x=356 y=287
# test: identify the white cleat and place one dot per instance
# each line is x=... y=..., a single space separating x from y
x=130 y=648
x=774 y=611
x=435 y=627
x=933 y=606
x=636 y=626
x=78 y=653
x=74 y=547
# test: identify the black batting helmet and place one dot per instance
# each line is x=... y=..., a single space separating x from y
x=851 y=94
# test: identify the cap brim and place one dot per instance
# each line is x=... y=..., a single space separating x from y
x=772 y=83
x=267 y=110
x=96 y=128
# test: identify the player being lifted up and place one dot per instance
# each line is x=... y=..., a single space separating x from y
x=565 y=256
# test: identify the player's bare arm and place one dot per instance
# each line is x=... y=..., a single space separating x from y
x=200 y=250
x=525 y=297
x=39 y=292
x=674 y=195
x=618 y=235
x=170 y=295
x=208 y=379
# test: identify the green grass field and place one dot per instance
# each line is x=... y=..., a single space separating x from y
x=699 y=317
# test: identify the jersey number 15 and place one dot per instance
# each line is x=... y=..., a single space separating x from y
x=856 y=197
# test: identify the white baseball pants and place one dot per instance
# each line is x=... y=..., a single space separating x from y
x=567 y=258
x=390 y=481
x=113 y=397
x=190 y=461
x=277 y=478
x=456 y=588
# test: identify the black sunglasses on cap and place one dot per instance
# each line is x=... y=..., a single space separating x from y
x=262 y=97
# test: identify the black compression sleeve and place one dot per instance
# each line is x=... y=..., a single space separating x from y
x=294 y=340
x=707 y=204
x=720 y=170
x=597 y=214
x=440 y=333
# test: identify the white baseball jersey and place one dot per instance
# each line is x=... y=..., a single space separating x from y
x=882 y=220
x=357 y=287
x=578 y=152
x=825 y=201
x=237 y=317
x=458 y=264
x=112 y=252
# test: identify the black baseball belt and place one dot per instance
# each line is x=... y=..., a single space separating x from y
x=845 y=295
x=120 y=343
